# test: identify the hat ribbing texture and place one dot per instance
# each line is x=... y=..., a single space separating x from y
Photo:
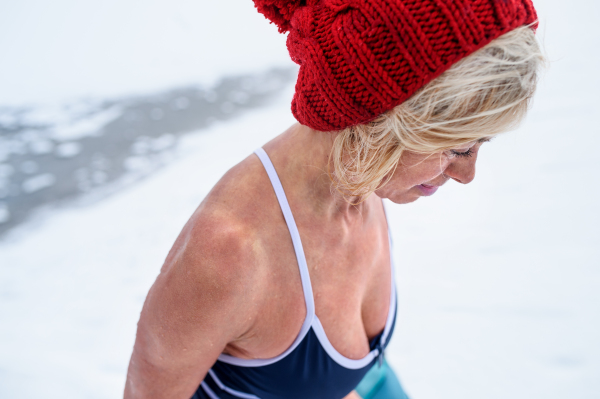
x=361 y=58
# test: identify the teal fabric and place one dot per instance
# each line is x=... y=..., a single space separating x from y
x=381 y=383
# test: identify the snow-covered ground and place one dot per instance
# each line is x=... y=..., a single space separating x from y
x=64 y=49
x=499 y=281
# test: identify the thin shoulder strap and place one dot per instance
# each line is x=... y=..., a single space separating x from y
x=291 y=224
x=393 y=295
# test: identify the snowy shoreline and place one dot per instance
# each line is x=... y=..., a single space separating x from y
x=497 y=281
x=52 y=156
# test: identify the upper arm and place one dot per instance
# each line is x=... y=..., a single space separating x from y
x=197 y=305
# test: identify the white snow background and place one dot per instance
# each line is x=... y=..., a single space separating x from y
x=498 y=281
x=62 y=49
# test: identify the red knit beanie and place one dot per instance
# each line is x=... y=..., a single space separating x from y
x=360 y=58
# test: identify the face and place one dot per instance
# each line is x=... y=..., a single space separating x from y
x=420 y=175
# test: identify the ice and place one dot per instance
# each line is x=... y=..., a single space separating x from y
x=227 y=107
x=4 y=188
x=47 y=114
x=182 y=103
x=38 y=183
x=86 y=126
x=6 y=170
x=13 y=146
x=68 y=150
x=210 y=96
x=4 y=213
x=163 y=142
x=239 y=97
x=138 y=164
x=7 y=118
x=149 y=152
x=157 y=114
x=41 y=146
x=99 y=177
x=29 y=167
x=141 y=145
x=100 y=161
x=4 y=152
x=81 y=173
x=83 y=178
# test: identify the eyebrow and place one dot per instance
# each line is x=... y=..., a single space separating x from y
x=484 y=140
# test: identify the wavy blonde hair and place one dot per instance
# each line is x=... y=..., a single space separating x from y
x=484 y=94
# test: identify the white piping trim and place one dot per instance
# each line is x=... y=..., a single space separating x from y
x=393 y=299
x=302 y=267
x=335 y=355
x=229 y=390
x=392 y=310
x=294 y=233
x=356 y=364
x=311 y=318
x=236 y=361
x=208 y=391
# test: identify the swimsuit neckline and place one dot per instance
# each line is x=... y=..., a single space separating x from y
x=311 y=320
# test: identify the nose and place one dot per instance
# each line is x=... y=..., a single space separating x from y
x=462 y=170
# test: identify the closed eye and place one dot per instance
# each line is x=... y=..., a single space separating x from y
x=467 y=153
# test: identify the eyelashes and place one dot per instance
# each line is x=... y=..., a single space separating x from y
x=469 y=153
x=465 y=154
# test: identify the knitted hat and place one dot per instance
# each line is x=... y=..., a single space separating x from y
x=360 y=58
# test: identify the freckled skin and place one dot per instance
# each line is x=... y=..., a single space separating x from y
x=231 y=284
x=432 y=169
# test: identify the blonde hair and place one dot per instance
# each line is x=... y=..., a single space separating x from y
x=484 y=94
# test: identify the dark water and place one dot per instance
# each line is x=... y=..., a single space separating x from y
x=48 y=161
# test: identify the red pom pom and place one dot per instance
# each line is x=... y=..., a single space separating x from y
x=279 y=12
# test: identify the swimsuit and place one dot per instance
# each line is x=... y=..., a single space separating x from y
x=309 y=369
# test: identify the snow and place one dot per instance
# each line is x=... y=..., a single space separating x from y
x=70 y=307
x=41 y=146
x=88 y=126
x=497 y=281
x=39 y=182
x=69 y=49
x=68 y=149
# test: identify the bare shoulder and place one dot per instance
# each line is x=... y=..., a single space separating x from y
x=206 y=295
x=219 y=247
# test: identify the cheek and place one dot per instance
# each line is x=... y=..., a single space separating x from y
x=411 y=172
x=401 y=184
x=420 y=174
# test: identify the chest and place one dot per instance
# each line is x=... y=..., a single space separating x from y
x=350 y=280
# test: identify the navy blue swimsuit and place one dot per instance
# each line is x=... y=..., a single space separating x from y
x=309 y=369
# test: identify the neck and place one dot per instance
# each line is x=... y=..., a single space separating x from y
x=301 y=154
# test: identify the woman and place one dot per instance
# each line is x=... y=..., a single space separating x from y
x=281 y=283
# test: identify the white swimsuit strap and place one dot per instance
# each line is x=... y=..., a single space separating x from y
x=394 y=298
x=291 y=224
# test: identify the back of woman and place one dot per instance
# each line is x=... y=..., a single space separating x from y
x=281 y=284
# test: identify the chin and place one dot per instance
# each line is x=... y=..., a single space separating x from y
x=400 y=198
x=404 y=200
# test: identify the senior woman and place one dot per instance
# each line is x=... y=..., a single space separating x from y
x=281 y=284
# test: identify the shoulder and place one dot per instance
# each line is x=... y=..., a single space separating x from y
x=218 y=250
